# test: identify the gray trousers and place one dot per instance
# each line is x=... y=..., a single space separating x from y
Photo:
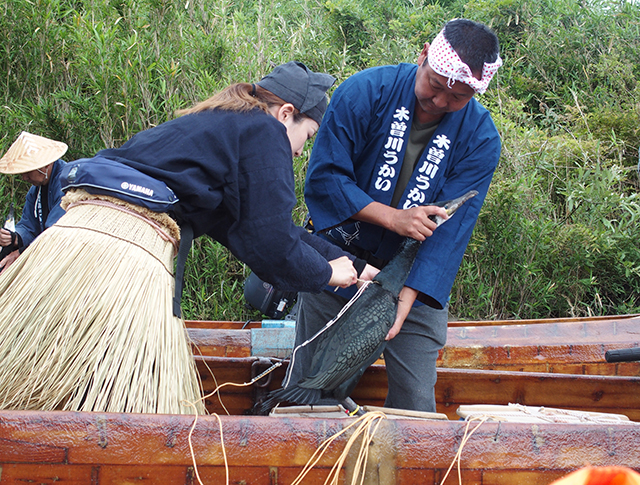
x=410 y=357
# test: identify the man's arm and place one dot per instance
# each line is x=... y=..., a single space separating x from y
x=415 y=222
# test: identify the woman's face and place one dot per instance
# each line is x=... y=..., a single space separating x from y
x=297 y=131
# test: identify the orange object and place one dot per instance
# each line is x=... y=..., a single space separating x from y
x=610 y=475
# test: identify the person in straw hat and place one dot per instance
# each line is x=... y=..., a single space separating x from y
x=98 y=332
x=37 y=160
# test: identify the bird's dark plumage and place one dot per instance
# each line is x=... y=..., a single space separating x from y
x=356 y=339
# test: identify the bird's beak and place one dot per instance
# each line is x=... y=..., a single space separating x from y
x=451 y=206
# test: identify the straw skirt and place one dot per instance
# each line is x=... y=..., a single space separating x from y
x=86 y=316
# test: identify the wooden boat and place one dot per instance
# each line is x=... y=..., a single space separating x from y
x=562 y=345
x=542 y=363
x=96 y=448
x=538 y=363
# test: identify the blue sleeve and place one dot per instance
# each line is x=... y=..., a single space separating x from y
x=439 y=258
x=54 y=214
x=28 y=226
x=55 y=195
x=328 y=250
x=332 y=188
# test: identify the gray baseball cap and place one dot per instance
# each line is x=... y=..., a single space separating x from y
x=306 y=90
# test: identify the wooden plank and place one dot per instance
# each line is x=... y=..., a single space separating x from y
x=584 y=331
x=453 y=323
x=455 y=387
x=136 y=446
x=154 y=474
x=47 y=474
x=508 y=477
x=552 y=344
x=254 y=475
x=235 y=400
x=15 y=450
x=571 y=347
x=536 y=321
x=588 y=393
x=220 y=342
x=221 y=324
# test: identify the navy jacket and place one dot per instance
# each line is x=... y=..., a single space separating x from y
x=357 y=158
x=234 y=177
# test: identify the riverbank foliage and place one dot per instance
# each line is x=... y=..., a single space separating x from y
x=558 y=234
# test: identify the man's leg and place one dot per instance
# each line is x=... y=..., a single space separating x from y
x=411 y=359
x=314 y=311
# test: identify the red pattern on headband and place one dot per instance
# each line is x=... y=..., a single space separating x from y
x=445 y=61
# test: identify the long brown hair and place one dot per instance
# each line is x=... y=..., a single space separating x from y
x=240 y=97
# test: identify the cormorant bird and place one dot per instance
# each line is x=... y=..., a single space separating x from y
x=356 y=339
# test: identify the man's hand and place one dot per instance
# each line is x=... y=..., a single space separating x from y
x=414 y=222
x=343 y=273
x=8 y=260
x=406 y=299
x=5 y=237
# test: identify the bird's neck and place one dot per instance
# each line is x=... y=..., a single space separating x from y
x=395 y=273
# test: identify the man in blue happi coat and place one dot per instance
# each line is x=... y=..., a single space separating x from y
x=395 y=138
x=37 y=160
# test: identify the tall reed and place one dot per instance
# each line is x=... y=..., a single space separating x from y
x=558 y=233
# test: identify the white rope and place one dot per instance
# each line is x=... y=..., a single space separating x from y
x=458 y=456
x=366 y=427
x=522 y=413
x=202 y=399
x=326 y=326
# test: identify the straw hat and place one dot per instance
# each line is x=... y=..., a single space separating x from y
x=30 y=152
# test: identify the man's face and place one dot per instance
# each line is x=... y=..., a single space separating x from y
x=434 y=98
x=37 y=177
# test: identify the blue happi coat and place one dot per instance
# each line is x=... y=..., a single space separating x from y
x=36 y=216
x=356 y=160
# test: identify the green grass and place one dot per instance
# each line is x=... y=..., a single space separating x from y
x=558 y=233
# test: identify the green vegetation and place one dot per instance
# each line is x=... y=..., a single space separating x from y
x=558 y=235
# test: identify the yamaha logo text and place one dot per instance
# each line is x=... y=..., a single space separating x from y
x=137 y=188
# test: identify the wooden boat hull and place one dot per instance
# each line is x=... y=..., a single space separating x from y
x=542 y=363
x=480 y=365
x=569 y=346
x=96 y=448
x=575 y=346
x=455 y=387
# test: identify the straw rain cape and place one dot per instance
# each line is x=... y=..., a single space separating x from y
x=86 y=315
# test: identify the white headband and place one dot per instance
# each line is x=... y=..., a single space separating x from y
x=445 y=61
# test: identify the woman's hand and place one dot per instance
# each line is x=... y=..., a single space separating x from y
x=343 y=273
x=369 y=272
